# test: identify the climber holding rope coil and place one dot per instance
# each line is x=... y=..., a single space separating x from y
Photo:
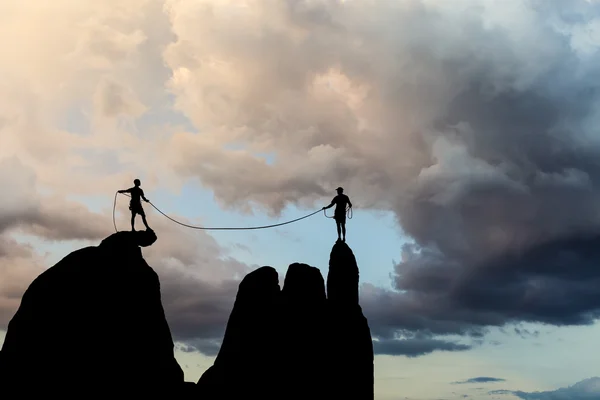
x=135 y=205
x=340 y=201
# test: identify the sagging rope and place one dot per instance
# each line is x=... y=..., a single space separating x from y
x=213 y=229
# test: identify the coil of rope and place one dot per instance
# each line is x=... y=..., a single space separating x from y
x=214 y=229
x=348 y=213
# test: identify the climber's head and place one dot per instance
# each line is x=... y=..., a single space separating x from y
x=340 y=190
x=137 y=182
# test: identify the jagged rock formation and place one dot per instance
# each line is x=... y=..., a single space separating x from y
x=303 y=344
x=248 y=359
x=351 y=346
x=92 y=323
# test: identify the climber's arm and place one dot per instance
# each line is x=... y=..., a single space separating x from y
x=144 y=197
x=125 y=191
x=331 y=205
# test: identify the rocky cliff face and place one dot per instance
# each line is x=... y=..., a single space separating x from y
x=92 y=323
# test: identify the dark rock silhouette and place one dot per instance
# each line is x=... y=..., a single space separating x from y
x=92 y=323
x=305 y=331
x=351 y=345
x=248 y=354
x=299 y=343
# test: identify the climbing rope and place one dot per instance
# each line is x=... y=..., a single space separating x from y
x=212 y=229
x=348 y=213
x=114 y=209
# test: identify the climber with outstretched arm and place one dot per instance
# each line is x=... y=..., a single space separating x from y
x=340 y=201
x=135 y=204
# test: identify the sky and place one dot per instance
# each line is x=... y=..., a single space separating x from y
x=464 y=132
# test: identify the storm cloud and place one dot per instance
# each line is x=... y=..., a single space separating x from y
x=474 y=122
x=415 y=347
x=480 y=379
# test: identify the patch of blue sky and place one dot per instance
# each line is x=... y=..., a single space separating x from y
x=269 y=158
x=76 y=119
x=373 y=236
x=52 y=250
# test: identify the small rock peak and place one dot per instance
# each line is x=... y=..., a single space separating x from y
x=130 y=239
x=342 y=251
x=343 y=276
x=108 y=295
x=262 y=283
x=261 y=277
x=304 y=283
x=248 y=336
x=272 y=344
x=146 y=238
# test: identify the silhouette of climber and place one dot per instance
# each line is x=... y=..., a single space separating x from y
x=340 y=201
x=135 y=204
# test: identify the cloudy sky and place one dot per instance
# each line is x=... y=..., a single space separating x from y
x=464 y=131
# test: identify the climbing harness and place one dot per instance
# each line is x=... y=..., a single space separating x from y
x=215 y=229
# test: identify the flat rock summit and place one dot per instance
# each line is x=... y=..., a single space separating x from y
x=94 y=324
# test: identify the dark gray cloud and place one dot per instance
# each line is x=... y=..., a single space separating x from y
x=209 y=347
x=475 y=123
x=19 y=265
x=480 y=379
x=24 y=209
x=553 y=283
x=196 y=309
x=415 y=347
x=588 y=389
x=47 y=216
x=525 y=333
